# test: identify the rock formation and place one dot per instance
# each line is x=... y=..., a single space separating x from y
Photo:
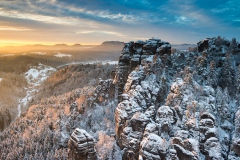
x=132 y=55
x=103 y=92
x=81 y=146
x=180 y=105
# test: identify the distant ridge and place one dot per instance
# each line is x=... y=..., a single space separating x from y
x=61 y=45
x=110 y=46
x=105 y=46
x=183 y=46
x=77 y=45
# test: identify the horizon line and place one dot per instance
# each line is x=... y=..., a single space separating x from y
x=69 y=44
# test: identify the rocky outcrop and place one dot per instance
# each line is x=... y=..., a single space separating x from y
x=134 y=53
x=235 y=147
x=143 y=90
x=214 y=44
x=203 y=45
x=103 y=93
x=178 y=106
x=81 y=146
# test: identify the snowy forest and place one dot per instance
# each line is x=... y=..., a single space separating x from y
x=157 y=103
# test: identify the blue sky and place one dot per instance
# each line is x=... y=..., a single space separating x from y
x=92 y=21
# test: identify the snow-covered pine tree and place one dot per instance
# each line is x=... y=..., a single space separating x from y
x=212 y=78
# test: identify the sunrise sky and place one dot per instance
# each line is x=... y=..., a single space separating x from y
x=94 y=21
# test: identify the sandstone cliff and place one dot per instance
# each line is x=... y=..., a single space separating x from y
x=178 y=106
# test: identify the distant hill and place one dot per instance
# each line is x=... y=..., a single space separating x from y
x=183 y=46
x=109 y=46
x=77 y=45
x=105 y=46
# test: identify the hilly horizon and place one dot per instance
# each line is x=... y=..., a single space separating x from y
x=107 y=45
x=104 y=46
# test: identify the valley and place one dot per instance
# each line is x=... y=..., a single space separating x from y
x=31 y=68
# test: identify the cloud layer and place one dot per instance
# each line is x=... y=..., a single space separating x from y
x=96 y=21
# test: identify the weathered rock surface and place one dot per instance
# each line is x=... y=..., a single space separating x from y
x=81 y=146
x=134 y=53
x=178 y=106
x=103 y=92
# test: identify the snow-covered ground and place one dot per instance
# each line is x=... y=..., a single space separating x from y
x=35 y=76
x=91 y=62
x=110 y=62
x=61 y=55
x=184 y=50
x=6 y=55
x=39 y=53
x=96 y=62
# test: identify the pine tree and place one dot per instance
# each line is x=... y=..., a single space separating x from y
x=212 y=78
x=218 y=41
x=237 y=122
x=238 y=79
x=227 y=76
x=233 y=46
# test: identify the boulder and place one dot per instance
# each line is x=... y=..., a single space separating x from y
x=203 y=45
x=81 y=146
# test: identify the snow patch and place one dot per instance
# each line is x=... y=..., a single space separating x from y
x=91 y=62
x=111 y=62
x=176 y=85
x=39 y=53
x=38 y=74
x=61 y=55
x=150 y=58
x=99 y=62
x=35 y=76
x=7 y=55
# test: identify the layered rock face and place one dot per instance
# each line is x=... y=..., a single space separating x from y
x=103 y=93
x=178 y=106
x=81 y=146
x=132 y=55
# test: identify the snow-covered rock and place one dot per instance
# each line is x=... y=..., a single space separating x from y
x=81 y=146
x=177 y=106
x=103 y=92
